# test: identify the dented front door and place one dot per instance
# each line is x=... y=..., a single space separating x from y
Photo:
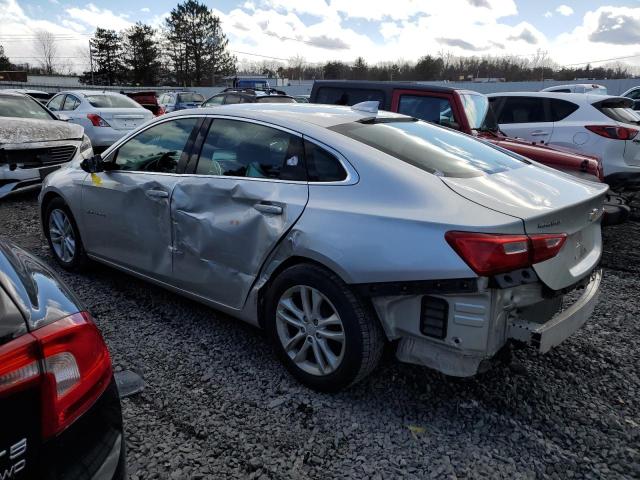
x=224 y=228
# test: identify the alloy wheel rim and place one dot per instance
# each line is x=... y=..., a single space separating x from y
x=310 y=330
x=61 y=235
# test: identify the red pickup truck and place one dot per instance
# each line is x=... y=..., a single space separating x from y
x=468 y=112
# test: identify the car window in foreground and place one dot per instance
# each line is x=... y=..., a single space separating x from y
x=111 y=101
x=618 y=110
x=430 y=148
x=242 y=149
x=190 y=98
x=156 y=149
x=22 y=107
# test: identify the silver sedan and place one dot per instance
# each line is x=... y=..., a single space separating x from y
x=337 y=230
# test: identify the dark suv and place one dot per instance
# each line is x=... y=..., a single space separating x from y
x=248 y=95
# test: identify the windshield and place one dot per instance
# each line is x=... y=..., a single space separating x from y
x=275 y=99
x=22 y=107
x=111 y=101
x=190 y=98
x=479 y=112
x=434 y=149
x=618 y=110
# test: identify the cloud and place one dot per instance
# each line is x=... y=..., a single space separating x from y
x=456 y=42
x=480 y=3
x=526 y=36
x=97 y=17
x=617 y=29
x=548 y=14
x=145 y=9
x=324 y=41
x=565 y=10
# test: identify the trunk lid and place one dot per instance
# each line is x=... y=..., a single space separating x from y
x=546 y=202
x=125 y=118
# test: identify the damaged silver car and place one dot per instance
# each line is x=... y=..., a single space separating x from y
x=338 y=230
x=34 y=143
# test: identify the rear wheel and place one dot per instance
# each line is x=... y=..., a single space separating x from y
x=326 y=336
x=63 y=236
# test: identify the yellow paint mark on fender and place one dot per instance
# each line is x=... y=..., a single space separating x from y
x=96 y=179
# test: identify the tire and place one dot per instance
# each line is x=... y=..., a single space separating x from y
x=349 y=347
x=74 y=261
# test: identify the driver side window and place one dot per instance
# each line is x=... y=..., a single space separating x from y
x=157 y=149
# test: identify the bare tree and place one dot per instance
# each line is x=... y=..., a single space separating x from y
x=46 y=49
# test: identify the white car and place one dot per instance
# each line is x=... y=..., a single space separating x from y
x=105 y=116
x=600 y=125
x=593 y=88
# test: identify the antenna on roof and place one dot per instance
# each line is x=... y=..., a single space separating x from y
x=369 y=107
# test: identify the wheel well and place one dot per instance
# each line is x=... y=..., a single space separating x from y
x=48 y=197
x=290 y=262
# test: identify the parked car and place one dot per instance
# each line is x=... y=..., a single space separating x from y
x=633 y=94
x=34 y=143
x=105 y=116
x=60 y=412
x=247 y=95
x=174 y=101
x=148 y=100
x=601 y=125
x=295 y=218
x=39 y=95
x=468 y=112
x=591 y=88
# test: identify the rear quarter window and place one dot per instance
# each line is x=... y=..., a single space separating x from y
x=322 y=166
x=348 y=96
x=561 y=109
x=433 y=149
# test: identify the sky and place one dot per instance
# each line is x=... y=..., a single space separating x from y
x=571 y=32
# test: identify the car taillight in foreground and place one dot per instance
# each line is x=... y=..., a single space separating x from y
x=613 y=131
x=68 y=360
x=97 y=120
x=489 y=254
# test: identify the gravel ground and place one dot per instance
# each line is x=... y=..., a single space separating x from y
x=218 y=405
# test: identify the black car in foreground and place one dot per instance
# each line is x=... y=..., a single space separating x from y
x=60 y=415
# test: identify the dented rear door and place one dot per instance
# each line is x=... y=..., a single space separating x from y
x=248 y=189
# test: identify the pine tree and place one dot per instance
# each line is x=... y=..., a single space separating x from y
x=5 y=63
x=196 y=44
x=107 y=57
x=142 y=55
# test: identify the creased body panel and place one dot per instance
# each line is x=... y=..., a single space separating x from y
x=126 y=219
x=222 y=236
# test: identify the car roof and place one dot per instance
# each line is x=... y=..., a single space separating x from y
x=290 y=115
x=573 y=97
x=383 y=85
x=86 y=93
x=10 y=93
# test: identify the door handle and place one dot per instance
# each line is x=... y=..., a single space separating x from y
x=158 y=193
x=539 y=133
x=268 y=208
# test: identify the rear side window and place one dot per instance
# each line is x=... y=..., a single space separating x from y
x=322 y=166
x=618 y=110
x=242 y=149
x=348 y=96
x=430 y=148
x=561 y=109
x=522 y=110
x=71 y=103
x=634 y=94
x=111 y=101
x=432 y=109
x=217 y=100
x=231 y=99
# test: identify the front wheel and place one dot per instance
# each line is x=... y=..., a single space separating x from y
x=326 y=336
x=63 y=236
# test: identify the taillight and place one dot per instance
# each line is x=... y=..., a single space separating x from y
x=69 y=360
x=613 y=131
x=489 y=254
x=97 y=120
x=161 y=111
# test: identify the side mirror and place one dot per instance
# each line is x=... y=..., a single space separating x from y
x=92 y=164
x=63 y=117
